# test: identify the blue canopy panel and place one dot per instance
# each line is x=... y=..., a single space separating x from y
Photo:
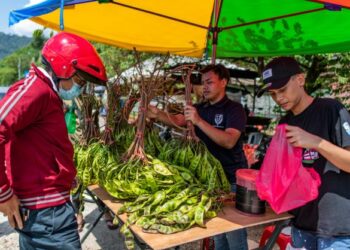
x=40 y=9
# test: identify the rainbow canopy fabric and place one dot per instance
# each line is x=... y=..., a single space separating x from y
x=188 y=27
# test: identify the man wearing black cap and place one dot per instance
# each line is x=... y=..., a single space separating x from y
x=321 y=127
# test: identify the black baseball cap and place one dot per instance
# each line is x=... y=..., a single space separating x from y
x=277 y=73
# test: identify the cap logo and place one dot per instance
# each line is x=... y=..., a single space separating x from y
x=267 y=73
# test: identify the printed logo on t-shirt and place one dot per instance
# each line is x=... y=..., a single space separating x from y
x=218 y=119
x=310 y=156
x=346 y=126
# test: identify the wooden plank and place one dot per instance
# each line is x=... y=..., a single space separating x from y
x=228 y=220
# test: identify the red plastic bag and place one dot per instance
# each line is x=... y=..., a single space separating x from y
x=283 y=181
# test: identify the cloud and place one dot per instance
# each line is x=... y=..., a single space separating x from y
x=33 y=2
x=26 y=27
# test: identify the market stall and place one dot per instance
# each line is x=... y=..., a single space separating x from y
x=228 y=220
x=131 y=174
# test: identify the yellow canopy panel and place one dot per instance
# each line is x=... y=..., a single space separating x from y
x=111 y=23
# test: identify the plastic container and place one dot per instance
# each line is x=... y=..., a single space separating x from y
x=71 y=120
x=247 y=199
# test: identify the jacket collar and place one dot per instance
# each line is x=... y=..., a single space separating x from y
x=43 y=75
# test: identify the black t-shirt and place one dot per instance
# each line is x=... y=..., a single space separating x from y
x=222 y=115
x=329 y=214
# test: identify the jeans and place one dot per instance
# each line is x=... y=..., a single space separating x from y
x=311 y=241
x=50 y=228
x=235 y=240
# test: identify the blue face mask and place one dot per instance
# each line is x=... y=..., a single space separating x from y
x=70 y=94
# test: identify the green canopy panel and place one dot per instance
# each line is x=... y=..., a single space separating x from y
x=319 y=31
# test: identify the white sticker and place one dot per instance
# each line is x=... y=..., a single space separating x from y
x=267 y=73
x=310 y=154
x=346 y=126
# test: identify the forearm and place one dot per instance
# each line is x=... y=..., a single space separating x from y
x=220 y=137
x=338 y=156
x=171 y=120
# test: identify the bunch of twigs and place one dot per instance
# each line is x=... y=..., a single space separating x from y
x=113 y=105
x=149 y=87
x=90 y=112
x=186 y=71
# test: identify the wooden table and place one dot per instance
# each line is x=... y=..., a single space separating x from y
x=228 y=220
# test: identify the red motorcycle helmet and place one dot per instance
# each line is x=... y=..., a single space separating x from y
x=68 y=54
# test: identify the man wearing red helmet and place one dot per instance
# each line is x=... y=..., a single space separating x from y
x=36 y=156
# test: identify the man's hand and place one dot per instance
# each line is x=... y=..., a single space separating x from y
x=300 y=138
x=191 y=114
x=250 y=153
x=10 y=208
x=152 y=112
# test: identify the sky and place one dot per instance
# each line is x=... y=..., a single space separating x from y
x=24 y=28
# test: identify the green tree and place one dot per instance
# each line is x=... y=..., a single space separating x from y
x=10 y=43
x=117 y=60
x=7 y=75
x=315 y=67
x=38 y=39
x=16 y=64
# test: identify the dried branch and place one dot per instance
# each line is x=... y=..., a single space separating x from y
x=148 y=87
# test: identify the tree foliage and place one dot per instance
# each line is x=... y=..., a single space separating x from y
x=325 y=74
x=321 y=70
x=117 y=60
x=38 y=39
x=14 y=66
x=10 y=43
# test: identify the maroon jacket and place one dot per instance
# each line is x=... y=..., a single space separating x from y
x=36 y=156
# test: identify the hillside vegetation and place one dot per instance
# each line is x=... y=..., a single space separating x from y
x=10 y=43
